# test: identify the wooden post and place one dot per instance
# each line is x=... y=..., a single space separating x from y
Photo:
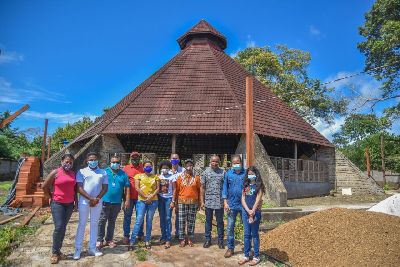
x=296 y=175
x=383 y=158
x=6 y=121
x=46 y=122
x=249 y=122
x=368 y=161
x=49 y=148
x=173 y=145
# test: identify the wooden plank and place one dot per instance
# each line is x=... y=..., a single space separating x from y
x=10 y=219
x=29 y=218
x=6 y=121
x=249 y=122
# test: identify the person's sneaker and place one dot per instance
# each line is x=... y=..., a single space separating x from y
x=77 y=254
x=229 y=253
x=95 y=252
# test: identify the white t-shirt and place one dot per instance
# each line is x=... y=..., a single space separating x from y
x=92 y=180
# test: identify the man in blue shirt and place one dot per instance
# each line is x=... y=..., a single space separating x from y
x=118 y=181
x=232 y=195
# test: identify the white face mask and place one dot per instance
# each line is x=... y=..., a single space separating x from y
x=164 y=171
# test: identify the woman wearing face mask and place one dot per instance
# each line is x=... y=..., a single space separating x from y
x=63 y=200
x=147 y=186
x=164 y=201
x=187 y=194
x=253 y=190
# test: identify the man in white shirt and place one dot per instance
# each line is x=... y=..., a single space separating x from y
x=92 y=184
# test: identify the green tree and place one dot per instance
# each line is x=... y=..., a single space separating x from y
x=358 y=126
x=382 y=48
x=284 y=71
x=69 y=132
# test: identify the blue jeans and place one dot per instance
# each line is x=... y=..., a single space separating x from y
x=251 y=233
x=219 y=215
x=61 y=214
x=165 y=217
x=128 y=218
x=232 y=214
x=142 y=210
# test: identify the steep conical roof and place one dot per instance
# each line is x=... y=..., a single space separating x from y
x=202 y=91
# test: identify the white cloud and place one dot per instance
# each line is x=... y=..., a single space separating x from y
x=314 y=31
x=31 y=92
x=328 y=130
x=57 y=117
x=10 y=57
x=249 y=43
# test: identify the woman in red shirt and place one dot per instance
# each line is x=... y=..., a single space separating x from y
x=63 y=200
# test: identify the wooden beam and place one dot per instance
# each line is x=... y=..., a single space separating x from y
x=10 y=219
x=173 y=145
x=6 y=121
x=29 y=218
x=46 y=123
x=368 y=161
x=249 y=122
x=296 y=174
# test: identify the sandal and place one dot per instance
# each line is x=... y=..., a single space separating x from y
x=147 y=245
x=243 y=261
x=54 y=259
x=190 y=243
x=182 y=243
x=111 y=244
x=131 y=246
x=255 y=261
x=62 y=256
x=167 y=245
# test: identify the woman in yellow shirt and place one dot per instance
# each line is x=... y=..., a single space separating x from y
x=147 y=186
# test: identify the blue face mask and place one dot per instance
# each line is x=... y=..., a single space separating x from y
x=252 y=177
x=236 y=167
x=147 y=169
x=93 y=163
x=115 y=165
x=175 y=161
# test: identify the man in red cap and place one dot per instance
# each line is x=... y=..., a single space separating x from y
x=135 y=167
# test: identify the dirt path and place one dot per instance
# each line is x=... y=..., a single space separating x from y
x=36 y=250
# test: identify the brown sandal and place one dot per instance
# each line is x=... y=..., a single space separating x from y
x=243 y=261
x=254 y=262
x=182 y=243
x=54 y=259
x=167 y=245
x=190 y=243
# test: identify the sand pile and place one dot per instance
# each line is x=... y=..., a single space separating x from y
x=337 y=237
x=390 y=206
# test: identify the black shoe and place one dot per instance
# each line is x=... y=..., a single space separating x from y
x=221 y=245
x=207 y=244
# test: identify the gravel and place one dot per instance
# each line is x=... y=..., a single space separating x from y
x=336 y=237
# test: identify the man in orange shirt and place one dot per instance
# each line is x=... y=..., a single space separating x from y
x=135 y=167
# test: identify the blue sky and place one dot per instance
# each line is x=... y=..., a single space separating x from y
x=67 y=59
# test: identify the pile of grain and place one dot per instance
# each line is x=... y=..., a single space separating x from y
x=337 y=237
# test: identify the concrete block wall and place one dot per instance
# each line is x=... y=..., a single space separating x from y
x=327 y=155
x=276 y=191
x=110 y=145
x=8 y=168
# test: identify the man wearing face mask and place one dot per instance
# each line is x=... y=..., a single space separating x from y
x=135 y=167
x=176 y=171
x=92 y=185
x=118 y=182
x=232 y=195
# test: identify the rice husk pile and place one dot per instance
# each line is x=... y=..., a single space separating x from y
x=336 y=237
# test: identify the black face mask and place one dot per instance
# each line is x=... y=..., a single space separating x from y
x=135 y=161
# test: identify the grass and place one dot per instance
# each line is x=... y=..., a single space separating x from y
x=4 y=187
x=141 y=254
x=10 y=237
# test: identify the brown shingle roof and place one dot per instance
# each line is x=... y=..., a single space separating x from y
x=200 y=80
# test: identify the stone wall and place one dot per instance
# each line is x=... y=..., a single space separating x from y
x=327 y=155
x=276 y=191
x=110 y=145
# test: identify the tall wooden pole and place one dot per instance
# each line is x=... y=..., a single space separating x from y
x=49 y=148
x=173 y=145
x=249 y=122
x=46 y=122
x=368 y=161
x=296 y=173
x=383 y=158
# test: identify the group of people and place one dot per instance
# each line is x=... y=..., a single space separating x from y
x=176 y=189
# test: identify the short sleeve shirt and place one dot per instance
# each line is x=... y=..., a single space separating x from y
x=148 y=184
x=116 y=183
x=213 y=181
x=92 y=180
x=166 y=184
